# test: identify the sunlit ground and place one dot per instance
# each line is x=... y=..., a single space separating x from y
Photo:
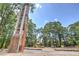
x=44 y=52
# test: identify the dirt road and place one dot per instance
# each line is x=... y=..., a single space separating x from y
x=41 y=52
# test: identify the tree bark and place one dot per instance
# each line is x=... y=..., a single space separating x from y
x=25 y=29
x=18 y=39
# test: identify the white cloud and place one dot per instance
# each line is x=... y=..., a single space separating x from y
x=56 y=19
x=46 y=21
x=38 y=6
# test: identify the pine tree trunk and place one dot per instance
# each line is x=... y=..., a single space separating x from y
x=25 y=29
x=13 y=44
x=18 y=40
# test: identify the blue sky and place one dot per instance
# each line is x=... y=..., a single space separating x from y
x=63 y=12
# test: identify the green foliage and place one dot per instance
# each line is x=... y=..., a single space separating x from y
x=74 y=32
x=7 y=23
x=51 y=32
x=31 y=38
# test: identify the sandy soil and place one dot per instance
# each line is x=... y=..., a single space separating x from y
x=43 y=52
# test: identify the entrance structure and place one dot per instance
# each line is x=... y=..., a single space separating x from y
x=18 y=39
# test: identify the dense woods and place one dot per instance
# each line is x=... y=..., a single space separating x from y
x=52 y=34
